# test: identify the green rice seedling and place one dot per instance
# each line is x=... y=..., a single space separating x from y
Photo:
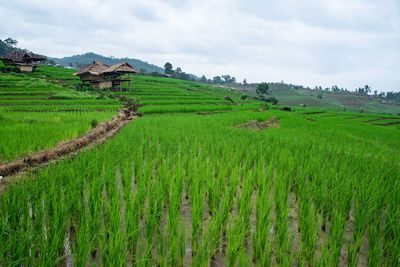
x=262 y=246
x=240 y=229
x=168 y=183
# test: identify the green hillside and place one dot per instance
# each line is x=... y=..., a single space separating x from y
x=288 y=96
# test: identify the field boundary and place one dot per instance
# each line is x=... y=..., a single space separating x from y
x=98 y=135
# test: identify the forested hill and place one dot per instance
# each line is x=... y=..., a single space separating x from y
x=84 y=59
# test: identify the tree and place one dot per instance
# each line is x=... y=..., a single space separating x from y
x=228 y=98
x=178 y=73
x=168 y=69
x=203 y=79
x=262 y=90
x=227 y=78
x=272 y=100
x=217 y=79
x=367 y=89
x=244 y=81
x=335 y=88
x=11 y=42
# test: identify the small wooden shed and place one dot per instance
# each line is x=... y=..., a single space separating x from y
x=102 y=76
x=22 y=60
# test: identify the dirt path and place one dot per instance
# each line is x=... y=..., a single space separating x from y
x=98 y=135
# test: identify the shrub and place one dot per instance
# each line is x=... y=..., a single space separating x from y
x=272 y=100
x=132 y=104
x=94 y=123
x=228 y=98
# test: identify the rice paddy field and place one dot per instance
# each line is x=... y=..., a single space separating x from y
x=163 y=95
x=185 y=186
x=36 y=113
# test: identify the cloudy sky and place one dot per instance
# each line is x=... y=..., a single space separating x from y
x=312 y=42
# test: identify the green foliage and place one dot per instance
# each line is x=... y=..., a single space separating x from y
x=228 y=98
x=168 y=69
x=272 y=100
x=94 y=123
x=4 y=48
x=262 y=89
x=131 y=104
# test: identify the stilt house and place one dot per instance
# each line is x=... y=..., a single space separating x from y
x=22 y=60
x=102 y=76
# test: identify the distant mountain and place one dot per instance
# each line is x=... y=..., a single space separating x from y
x=78 y=61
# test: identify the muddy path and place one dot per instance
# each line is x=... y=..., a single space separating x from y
x=98 y=135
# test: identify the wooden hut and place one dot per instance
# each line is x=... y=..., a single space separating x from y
x=93 y=74
x=116 y=72
x=101 y=76
x=22 y=60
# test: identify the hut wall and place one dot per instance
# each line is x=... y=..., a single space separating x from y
x=25 y=68
x=103 y=85
x=89 y=77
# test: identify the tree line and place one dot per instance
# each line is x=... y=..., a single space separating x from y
x=180 y=74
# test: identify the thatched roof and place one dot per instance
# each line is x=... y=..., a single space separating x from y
x=15 y=55
x=20 y=56
x=122 y=67
x=96 y=68
x=33 y=56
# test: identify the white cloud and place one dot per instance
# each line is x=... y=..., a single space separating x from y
x=349 y=43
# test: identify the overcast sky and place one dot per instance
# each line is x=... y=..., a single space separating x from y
x=312 y=42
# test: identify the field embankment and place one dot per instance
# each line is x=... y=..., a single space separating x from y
x=99 y=134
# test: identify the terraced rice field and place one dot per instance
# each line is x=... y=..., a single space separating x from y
x=161 y=95
x=184 y=186
x=36 y=114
